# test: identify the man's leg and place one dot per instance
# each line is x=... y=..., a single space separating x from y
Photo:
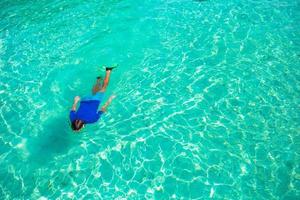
x=106 y=79
x=97 y=87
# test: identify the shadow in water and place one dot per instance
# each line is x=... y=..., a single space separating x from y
x=55 y=139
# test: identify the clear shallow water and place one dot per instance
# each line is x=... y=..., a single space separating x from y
x=207 y=107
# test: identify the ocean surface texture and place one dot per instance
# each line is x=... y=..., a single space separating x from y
x=207 y=106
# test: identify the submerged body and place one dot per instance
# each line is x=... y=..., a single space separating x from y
x=88 y=112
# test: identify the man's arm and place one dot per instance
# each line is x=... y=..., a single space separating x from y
x=104 y=107
x=76 y=100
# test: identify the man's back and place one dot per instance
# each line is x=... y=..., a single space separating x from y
x=87 y=112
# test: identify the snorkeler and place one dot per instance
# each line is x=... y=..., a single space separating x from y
x=87 y=112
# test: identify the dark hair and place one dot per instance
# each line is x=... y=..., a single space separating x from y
x=77 y=124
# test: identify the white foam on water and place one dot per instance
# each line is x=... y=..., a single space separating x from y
x=131 y=192
x=212 y=192
x=150 y=190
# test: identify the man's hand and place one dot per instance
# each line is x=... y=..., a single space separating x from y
x=107 y=103
x=112 y=97
x=76 y=100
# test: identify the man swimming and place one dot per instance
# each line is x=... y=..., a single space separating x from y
x=87 y=112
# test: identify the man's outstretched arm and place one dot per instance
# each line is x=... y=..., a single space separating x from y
x=104 y=107
x=76 y=100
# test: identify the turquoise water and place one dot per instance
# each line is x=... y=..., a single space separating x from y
x=207 y=106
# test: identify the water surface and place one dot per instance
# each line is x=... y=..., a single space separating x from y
x=207 y=103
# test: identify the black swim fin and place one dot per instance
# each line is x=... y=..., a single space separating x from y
x=111 y=68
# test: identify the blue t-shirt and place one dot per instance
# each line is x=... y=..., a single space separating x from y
x=87 y=112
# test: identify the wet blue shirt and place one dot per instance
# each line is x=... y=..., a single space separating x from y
x=87 y=112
